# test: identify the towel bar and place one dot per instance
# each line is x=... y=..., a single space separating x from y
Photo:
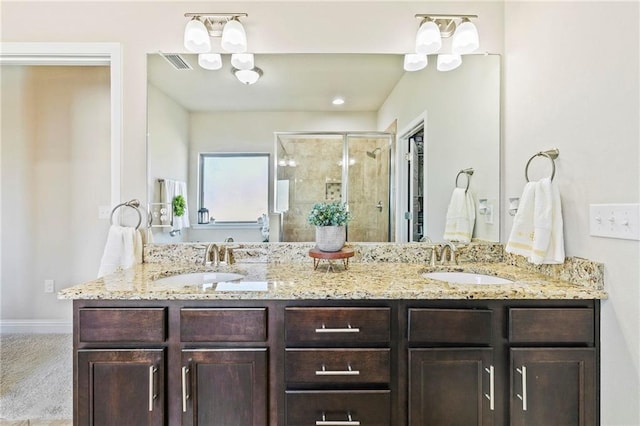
x=134 y=204
x=468 y=172
x=551 y=154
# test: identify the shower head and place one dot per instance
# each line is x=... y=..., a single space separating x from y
x=372 y=154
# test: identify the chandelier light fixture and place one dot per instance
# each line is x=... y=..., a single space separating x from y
x=233 y=39
x=433 y=28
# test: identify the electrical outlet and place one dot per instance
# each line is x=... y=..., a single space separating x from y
x=615 y=221
x=49 y=285
x=104 y=212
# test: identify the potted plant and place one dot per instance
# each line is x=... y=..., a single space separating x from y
x=330 y=220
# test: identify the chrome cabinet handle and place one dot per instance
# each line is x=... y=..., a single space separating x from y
x=491 y=387
x=523 y=396
x=347 y=372
x=349 y=329
x=348 y=422
x=152 y=393
x=185 y=394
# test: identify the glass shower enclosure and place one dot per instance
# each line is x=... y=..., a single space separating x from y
x=355 y=168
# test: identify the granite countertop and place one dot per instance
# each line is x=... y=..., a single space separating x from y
x=298 y=281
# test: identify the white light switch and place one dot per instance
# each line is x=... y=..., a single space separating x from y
x=615 y=221
x=104 y=212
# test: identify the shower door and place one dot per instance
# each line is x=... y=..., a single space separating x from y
x=368 y=193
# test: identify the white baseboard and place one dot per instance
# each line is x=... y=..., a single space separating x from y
x=35 y=326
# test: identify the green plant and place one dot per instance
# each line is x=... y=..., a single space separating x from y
x=179 y=205
x=329 y=214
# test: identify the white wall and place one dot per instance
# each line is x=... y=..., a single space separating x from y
x=168 y=149
x=574 y=86
x=462 y=130
x=55 y=171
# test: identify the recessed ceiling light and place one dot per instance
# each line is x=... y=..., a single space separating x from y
x=338 y=100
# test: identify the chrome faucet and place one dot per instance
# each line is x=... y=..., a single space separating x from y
x=452 y=252
x=434 y=256
x=226 y=255
x=211 y=254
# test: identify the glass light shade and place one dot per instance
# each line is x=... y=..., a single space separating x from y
x=448 y=62
x=415 y=61
x=196 y=37
x=338 y=100
x=210 y=61
x=248 y=76
x=234 y=39
x=465 y=39
x=428 y=38
x=242 y=61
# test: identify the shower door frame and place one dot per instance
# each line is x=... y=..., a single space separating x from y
x=391 y=199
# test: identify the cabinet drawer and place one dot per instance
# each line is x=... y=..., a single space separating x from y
x=337 y=365
x=325 y=408
x=337 y=325
x=122 y=324
x=551 y=325
x=450 y=326
x=223 y=324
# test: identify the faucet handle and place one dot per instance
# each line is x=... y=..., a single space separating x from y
x=434 y=256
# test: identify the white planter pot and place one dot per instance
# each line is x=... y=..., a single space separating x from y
x=330 y=238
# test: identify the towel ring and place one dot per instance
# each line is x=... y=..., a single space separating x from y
x=551 y=154
x=468 y=172
x=134 y=204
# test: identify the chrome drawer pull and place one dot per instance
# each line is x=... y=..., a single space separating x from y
x=349 y=329
x=349 y=422
x=523 y=397
x=185 y=394
x=152 y=393
x=491 y=387
x=348 y=372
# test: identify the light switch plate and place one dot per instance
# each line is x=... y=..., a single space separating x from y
x=615 y=221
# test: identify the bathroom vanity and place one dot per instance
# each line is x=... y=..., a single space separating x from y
x=378 y=344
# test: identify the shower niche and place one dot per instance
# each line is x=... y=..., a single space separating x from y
x=351 y=167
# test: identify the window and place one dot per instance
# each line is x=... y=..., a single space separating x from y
x=234 y=187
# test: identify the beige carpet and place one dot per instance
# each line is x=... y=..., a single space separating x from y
x=35 y=378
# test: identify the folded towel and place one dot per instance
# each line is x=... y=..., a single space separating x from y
x=461 y=216
x=537 y=231
x=122 y=250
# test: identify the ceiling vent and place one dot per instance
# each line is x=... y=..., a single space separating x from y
x=176 y=61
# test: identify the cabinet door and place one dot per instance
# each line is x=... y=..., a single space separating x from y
x=120 y=387
x=553 y=386
x=451 y=387
x=224 y=387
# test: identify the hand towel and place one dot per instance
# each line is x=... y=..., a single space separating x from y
x=537 y=231
x=122 y=250
x=461 y=216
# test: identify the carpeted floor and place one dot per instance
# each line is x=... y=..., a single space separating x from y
x=35 y=378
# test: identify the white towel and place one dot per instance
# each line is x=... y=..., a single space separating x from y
x=461 y=216
x=122 y=250
x=169 y=189
x=537 y=231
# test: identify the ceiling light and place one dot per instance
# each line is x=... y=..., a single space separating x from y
x=465 y=39
x=338 y=100
x=196 y=36
x=448 y=62
x=242 y=61
x=234 y=38
x=247 y=76
x=415 y=61
x=428 y=39
x=210 y=61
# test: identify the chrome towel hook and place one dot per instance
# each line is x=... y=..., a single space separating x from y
x=551 y=154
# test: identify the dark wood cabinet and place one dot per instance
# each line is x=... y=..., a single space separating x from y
x=451 y=386
x=553 y=386
x=336 y=362
x=224 y=387
x=120 y=387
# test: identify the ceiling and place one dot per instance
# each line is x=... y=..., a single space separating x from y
x=291 y=82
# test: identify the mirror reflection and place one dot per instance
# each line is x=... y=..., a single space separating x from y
x=440 y=123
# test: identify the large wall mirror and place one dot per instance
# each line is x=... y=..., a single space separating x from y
x=445 y=121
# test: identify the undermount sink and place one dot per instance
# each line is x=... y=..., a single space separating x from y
x=198 y=279
x=466 y=278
